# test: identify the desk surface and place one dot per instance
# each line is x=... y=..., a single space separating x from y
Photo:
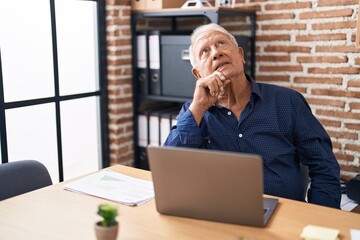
x=53 y=213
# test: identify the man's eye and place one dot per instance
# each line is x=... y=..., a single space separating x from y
x=204 y=52
x=221 y=43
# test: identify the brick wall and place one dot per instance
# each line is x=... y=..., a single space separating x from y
x=119 y=81
x=305 y=45
x=310 y=46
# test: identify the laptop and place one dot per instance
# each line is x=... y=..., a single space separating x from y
x=210 y=185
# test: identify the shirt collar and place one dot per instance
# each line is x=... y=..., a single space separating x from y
x=255 y=90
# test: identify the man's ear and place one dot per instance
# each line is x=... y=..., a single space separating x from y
x=241 y=51
x=196 y=73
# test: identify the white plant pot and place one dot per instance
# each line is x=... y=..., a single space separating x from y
x=106 y=233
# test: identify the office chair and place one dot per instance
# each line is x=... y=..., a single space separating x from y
x=306 y=179
x=22 y=176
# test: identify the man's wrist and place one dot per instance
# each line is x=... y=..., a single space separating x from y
x=198 y=109
x=198 y=112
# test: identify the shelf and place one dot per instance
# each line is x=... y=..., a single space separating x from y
x=163 y=98
x=187 y=11
x=212 y=12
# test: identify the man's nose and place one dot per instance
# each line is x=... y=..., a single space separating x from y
x=216 y=53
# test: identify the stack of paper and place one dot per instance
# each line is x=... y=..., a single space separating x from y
x=311 y=232
x=114 y=186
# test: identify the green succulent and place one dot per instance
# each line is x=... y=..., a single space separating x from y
x=109 y=213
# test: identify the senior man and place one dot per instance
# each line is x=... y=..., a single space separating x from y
x=231 y=112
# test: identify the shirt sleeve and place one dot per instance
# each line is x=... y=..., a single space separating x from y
x=314 y=149
x=186 y=133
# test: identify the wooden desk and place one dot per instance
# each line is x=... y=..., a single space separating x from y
x=52 y=213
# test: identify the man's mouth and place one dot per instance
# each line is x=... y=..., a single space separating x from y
x=221 y=65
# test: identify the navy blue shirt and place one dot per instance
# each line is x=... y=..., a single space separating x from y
x=277 y=123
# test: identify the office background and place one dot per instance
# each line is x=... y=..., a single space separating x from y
x=305 y=45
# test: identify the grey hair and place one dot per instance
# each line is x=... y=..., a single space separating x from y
x=202 y=29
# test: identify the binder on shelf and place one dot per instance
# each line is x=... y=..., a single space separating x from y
x=154 y=125
x=155 y=128
x=154 y=63
x=143 y=129
x=177 y=79
x=142 y=62
x=148 y=128
x=167 y=121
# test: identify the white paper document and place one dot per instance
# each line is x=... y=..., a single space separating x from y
x=114 y=186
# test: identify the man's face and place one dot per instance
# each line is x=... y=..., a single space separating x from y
x=214 y=51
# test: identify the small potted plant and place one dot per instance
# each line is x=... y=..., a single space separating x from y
x=107 y=229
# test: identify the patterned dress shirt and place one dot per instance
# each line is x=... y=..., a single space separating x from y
x=277 y=123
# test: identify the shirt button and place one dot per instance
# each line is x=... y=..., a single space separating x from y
x=229 y=113
x=240 y=135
